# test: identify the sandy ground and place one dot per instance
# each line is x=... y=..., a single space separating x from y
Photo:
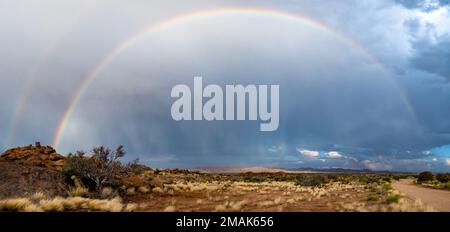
x=257 y=197
x=438 y=199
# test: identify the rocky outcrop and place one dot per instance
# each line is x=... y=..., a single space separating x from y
x=41 y=156
x=17 y=180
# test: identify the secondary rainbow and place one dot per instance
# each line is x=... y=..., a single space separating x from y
x=87 y=80
x=32 y=75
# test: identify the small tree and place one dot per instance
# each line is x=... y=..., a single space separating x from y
x=425 y=176
x=102 y=167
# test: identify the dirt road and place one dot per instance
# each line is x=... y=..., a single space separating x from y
x=438 y=199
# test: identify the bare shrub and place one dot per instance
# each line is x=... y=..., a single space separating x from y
x=102 y=168
x=135 y=167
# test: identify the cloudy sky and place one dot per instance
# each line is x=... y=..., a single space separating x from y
x=363 y=84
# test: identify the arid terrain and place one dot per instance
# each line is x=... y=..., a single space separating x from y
x=36 y=178
x=438 y=199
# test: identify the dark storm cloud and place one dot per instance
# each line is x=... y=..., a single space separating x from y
x=433 y=58
x=431 y=48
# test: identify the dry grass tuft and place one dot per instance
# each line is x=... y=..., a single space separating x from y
x=37 y=196
x=52 y=205
x=33 y=208
x=78 y=191
x=113 y=205
x=410 y=206
x=157 y=190
x=143 y=189
x=75 y=203
x=15 y=204
x=108 y=193
x=131 y=191
x=59 y=204
x=131 y=207
x=220 y=208
x=170 y=208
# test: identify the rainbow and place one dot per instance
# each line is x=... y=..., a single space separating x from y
x=87 y=80
x=33 y=74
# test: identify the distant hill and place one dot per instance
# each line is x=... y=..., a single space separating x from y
x=339 y=170
x=226 y=170
x=246 y=169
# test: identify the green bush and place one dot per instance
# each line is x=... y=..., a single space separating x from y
x=345 y=179
x=446 y=185
x=252 y=179
x=369 y=179
x=425 y=176
x=443 y=178
x=372 y=198
x=403 y=176
x=387 y=186
x=386 y=179
x=393 y=198
x=311 y=180
x=332 y=177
